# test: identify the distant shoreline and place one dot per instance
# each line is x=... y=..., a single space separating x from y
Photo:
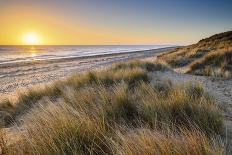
x=68 y=58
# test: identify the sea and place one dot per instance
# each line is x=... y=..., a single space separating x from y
x=15 y=54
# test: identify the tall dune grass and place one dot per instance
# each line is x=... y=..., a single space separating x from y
x=116 y=111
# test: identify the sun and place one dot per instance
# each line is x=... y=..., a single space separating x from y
x=31 y=38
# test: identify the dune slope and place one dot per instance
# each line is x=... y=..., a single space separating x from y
x=210 y=56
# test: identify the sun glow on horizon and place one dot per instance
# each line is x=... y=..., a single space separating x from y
x=31 y=38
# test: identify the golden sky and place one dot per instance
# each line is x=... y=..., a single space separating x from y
x=60 y=30
x=59 y=22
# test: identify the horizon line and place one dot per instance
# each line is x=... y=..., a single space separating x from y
x=94 y=45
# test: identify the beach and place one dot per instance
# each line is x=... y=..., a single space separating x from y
x=115 y=77
x=24 y=74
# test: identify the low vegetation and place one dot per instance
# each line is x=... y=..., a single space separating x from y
x=115 y=111
x=211 y=56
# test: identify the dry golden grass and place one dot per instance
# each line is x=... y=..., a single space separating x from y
x=115 y=111
x=145 y=141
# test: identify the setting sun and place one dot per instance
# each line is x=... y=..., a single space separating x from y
x=31 y=38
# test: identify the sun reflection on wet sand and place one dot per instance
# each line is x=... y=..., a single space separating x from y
x=33 y=53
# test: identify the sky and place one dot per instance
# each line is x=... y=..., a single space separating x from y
x=112 y=22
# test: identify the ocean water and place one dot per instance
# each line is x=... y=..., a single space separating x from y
x=15 y=54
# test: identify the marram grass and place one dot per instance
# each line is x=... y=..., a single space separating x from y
x=115 y=111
